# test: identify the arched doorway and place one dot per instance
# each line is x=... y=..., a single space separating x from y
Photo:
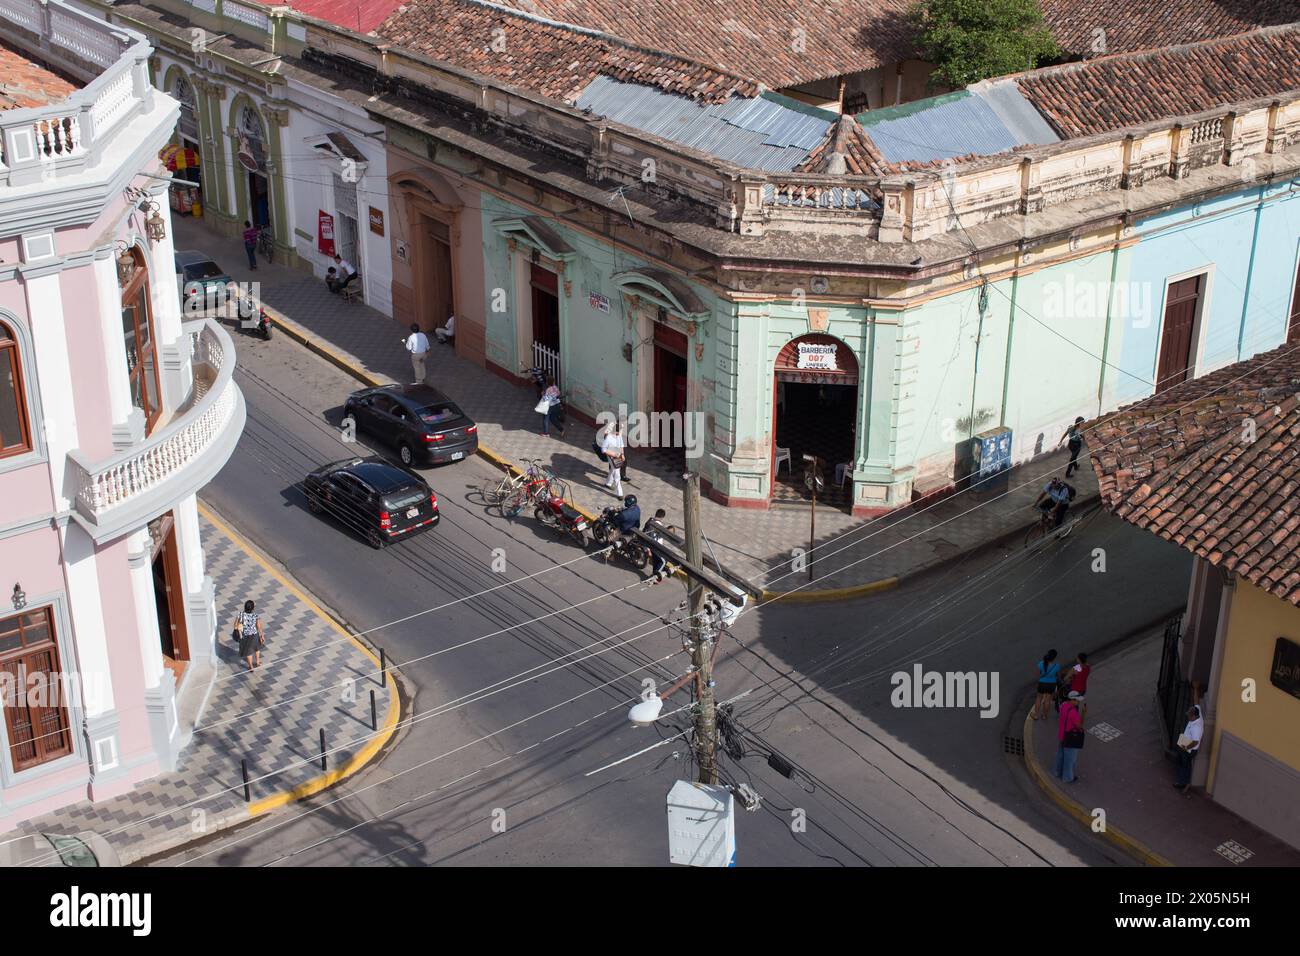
x=814 y=411
x=252 y=160
x=427 y=240
x=184 y=157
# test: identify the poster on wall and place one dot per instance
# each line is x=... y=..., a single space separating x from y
x=325 y=233
x=598 y=302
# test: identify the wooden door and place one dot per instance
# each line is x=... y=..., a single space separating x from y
x=1177 y=337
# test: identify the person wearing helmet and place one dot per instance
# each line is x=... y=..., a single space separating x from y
x=625 y=520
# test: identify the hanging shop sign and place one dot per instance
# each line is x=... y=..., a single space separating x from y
x=376 y=221
x=818 y=359
x=245 y=154
x=1285 y=672
x=325 y=233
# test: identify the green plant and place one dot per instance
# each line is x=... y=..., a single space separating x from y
x=971 y=40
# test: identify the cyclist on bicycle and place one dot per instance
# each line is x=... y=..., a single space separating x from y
x=1055 y=500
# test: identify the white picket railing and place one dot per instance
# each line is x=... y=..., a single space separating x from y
x=130 y=474
x=547 y=359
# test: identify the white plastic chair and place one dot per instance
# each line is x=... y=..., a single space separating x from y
x=843 y=471
x=782 y=455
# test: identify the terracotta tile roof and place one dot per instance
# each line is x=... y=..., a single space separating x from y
x=1180 y=464
x=24 y=83
x=361 y=16
x=1113 y=92
x=1150 y=24
x=846 y=137
x=755 y=38
x=554 y=61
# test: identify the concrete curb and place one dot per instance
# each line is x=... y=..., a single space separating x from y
x=1134 y=848
x=352 y=366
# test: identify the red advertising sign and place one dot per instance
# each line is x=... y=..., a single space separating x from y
x=325 y=233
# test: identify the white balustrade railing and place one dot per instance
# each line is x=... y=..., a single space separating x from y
x=125 y=477
x=38 y=143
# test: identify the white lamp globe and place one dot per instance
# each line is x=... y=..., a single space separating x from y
x=646 y=712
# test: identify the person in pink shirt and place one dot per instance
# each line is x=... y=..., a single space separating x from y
x=1069 y=737
x=250 y=243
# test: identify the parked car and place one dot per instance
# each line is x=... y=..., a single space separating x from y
x=198 y=276
x=423 y=424
x=374 y=498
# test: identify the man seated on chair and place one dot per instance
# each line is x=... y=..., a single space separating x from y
x=447 y=332
x=344 y=274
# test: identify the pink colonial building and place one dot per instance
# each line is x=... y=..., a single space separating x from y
x=114 y=411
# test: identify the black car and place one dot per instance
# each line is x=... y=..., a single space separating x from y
x=423 y=424
x=373 y=497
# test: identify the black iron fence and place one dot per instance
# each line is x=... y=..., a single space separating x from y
x=1174 y=693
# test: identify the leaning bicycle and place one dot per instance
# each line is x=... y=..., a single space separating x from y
x=1046 y=524
x=265 y=243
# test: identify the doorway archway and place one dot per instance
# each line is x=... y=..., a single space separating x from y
x=814 y=412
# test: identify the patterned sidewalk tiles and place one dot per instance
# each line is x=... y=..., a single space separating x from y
x=313 y=676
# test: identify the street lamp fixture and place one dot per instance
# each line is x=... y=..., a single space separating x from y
x=155 y=224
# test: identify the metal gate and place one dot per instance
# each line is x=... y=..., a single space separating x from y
x=547 y=359
x=1172 y=691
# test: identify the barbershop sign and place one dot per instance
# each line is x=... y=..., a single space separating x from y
x=817 y=357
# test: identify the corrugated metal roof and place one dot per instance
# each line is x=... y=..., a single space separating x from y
x=1018 y=115
x=942 y=127
x=759 y=132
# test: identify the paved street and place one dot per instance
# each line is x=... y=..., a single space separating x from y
x=497 y=734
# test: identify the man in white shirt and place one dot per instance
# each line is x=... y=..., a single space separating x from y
x=612 y=445
x=448 y=331
x=417 y=343
x=344 y=275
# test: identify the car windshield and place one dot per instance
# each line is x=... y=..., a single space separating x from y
x=437 y=414
x=202 y=270
x=404 y=498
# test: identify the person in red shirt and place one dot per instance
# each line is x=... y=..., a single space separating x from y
x=1076 y=679
x=250 y=243
x=1069 y=733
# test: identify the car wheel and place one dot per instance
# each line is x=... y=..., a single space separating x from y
x=375 y=539
x=404 y=453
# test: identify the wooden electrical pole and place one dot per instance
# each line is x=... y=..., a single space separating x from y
x=706 y=718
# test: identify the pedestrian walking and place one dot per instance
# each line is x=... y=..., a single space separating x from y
x=248 y=632
x=655 y=527
x=250 y=243
x=596 y=443
x=1189 y=745
x=1069 y=739
x=1048 y=668
x=1074 y=435
x=548 y=404
x=1076 y=680
x=417 y=343
x=613 y=446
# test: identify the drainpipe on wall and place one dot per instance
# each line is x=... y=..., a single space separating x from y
x=975 y=372
x=1006 y=368
x=1250 y=273
x=1105 y=338
x=1210 y=699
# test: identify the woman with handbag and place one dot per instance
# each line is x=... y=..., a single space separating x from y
x=1069 y=736
x=613 y=447
x=547 y=404
x=248 y=632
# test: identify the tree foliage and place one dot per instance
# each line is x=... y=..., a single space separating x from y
x=971 y=40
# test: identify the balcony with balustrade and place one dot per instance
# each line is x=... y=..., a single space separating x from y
x=53 y=142
x=123 y=492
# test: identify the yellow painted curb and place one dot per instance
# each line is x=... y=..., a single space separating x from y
x=1134 y=848
x=373 y=746
x=831 y=594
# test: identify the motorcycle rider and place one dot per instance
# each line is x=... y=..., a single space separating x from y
x=624 y=521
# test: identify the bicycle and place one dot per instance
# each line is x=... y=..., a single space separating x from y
x=265 y=244
x=534 y=485
x=1047 y=523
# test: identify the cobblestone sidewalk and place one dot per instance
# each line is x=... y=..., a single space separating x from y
x=755 y=544
x=272 y=718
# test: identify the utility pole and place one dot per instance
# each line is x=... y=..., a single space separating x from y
x=706 y=718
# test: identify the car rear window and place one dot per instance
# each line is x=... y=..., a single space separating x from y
x=404 y=498
x=437 y=414
x=202 y=270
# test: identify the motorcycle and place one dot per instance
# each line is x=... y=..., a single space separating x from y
x=253 y=318
x=556 y=513
x=603 y=531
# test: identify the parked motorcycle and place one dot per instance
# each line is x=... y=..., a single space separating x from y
x=253 y=318
x=603 y=531
x=556 y=513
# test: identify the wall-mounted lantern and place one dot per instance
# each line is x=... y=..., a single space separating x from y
x=155 y=225
x=125 y=264
x=20 y=597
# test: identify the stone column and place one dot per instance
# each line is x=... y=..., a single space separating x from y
x=50 y=344
x=175 y=347
x=200 y=609
x=159 y=682
x=128 y=421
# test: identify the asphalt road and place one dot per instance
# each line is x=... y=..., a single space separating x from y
x=518 y=698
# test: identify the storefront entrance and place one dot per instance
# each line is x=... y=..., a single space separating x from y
x=815 y=408
x=434 y=296
x=169 y=594
x=546 y=321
